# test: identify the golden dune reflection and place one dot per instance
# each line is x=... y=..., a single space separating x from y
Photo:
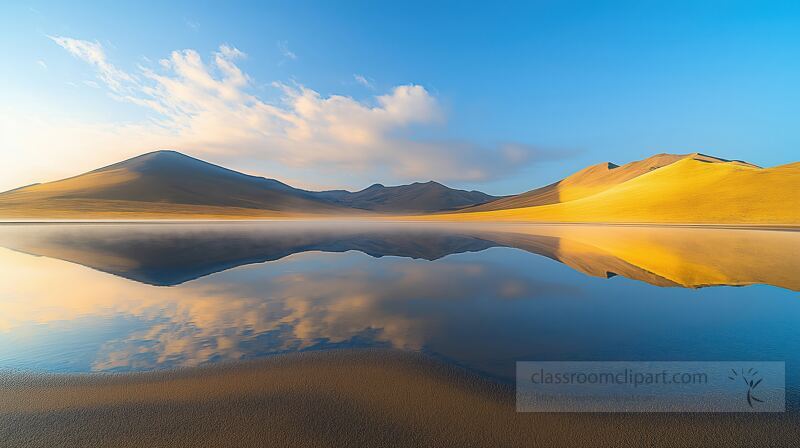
x=670 y=256
x=209 y=319
x=306 y=298
x=662 y=256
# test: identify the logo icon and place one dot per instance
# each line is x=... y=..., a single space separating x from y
x=751 y=379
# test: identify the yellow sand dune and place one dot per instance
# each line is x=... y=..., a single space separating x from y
x=690 y=190
x=592 y=180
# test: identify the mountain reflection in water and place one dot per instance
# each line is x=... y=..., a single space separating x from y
x=170 y=254
x=479 y=296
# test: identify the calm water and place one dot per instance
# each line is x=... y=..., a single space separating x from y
x=136 y=297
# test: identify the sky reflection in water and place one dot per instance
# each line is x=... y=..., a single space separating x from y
x=79 y=298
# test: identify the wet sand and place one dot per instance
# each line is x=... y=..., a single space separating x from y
x=338 y=398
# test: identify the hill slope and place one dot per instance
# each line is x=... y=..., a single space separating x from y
x=161 y=182
x=592 y=180
x=417 y=197
x=168 y=184
x=690 y=190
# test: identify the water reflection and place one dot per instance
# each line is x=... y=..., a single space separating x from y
x=479 y=296
x=169 y=254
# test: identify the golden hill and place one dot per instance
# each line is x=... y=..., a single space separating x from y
x=592 y=180
x=693 y=189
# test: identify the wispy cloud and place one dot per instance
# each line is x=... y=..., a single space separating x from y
x=361 y=79
x=92 y=52
x=283 y=47
x=207 y=107
x=192 y=24
x=41 y=64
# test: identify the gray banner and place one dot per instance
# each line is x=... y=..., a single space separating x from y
x=674 y=386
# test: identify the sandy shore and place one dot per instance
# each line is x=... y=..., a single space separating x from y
x=344 y=398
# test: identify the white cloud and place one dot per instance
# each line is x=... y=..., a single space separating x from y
x=92 y=52
x=206 y=108
x=42 y=64
x=283 y=46
x=361 y=79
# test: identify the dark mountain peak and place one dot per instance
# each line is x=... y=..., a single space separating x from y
x=168 y=153
x=374 y=187
x=426 y=185
x=164 y=159
x=162 y=155
x=170 y=164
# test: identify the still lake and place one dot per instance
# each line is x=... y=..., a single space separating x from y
x=136 y=297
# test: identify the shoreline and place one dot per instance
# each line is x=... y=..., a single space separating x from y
x=337 y=398
x=726 y=226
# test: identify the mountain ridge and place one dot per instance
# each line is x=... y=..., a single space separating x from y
x=170 y=177
x=427 y=196
x=592 y=180
x=169 y=182
x=692 y=190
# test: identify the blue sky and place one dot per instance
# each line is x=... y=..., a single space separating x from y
x=502 y=97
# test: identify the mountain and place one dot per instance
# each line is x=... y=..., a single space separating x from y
x=417 y=197
x=161 y=182
x=168 y=184
x=593 y=180
x=665 y=188
x=690 y=188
